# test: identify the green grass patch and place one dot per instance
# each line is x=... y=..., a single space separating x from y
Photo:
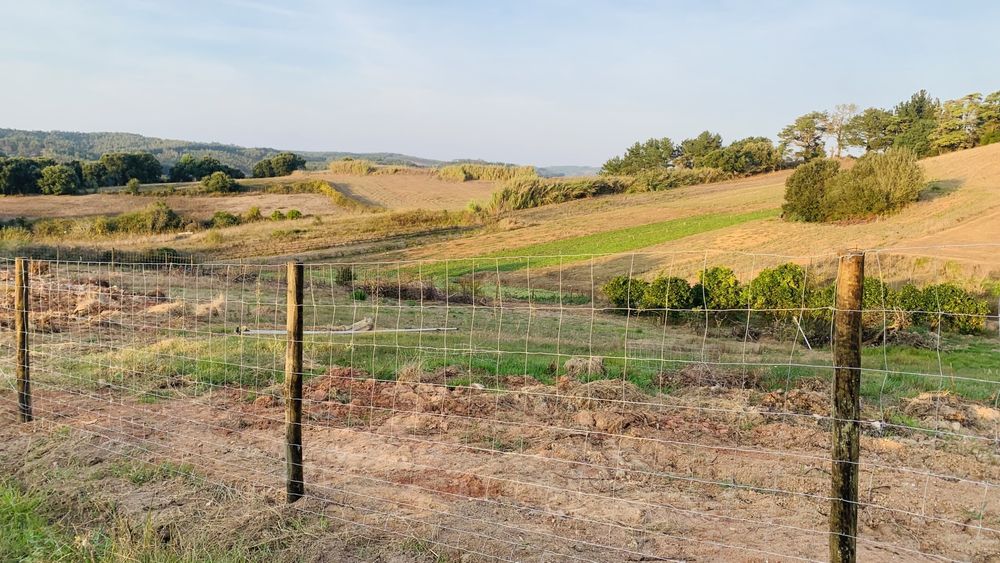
x=26 y=534
x=140 y=473
x=576 y=249
x=534 y=295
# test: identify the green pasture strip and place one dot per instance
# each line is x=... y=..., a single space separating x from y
x=581 y=248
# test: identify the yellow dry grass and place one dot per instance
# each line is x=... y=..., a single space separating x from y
x=963 y=210
x=198 y=207
x=406 y=191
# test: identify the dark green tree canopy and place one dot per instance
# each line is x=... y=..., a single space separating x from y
x=804 y=137
x=650 y=155
x=189 y=168
x=120 y=167
x=752 y=155
x=693 y=150
x=59 y=179
x=872 y=129
x=219 y=182
x=281 y=164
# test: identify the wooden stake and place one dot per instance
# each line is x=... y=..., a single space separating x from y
x=21 y=307
x=846 y=409
x=295 y=487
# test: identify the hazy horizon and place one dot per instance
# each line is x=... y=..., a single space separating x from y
x=548 y=83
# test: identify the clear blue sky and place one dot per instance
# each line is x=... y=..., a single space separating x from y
x=546 y=82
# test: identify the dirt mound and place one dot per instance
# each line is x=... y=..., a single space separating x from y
x=211 y=309
x=802 y=401
x=612 y=422
x=703 y=375
x=606 y=393
x=577 y=367
x=942 y=409
x=169 y=308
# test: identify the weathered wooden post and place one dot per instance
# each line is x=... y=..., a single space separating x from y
x=21 y=307
x=846 y=408
x=295 y=488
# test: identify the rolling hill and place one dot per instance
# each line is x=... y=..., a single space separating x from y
x=954 y=223
x=68 y=145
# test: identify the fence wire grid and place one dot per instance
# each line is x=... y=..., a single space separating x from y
x=517 y=409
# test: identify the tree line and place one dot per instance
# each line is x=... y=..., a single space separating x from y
x=43 y=175
x=922 y=124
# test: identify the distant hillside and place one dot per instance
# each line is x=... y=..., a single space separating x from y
x=66 y=145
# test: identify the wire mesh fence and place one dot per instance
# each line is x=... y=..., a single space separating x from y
x=650 y=406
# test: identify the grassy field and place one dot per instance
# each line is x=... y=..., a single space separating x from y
x=576 y=249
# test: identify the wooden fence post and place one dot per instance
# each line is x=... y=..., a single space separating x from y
x=295 y=487
x=846 y=408
x=21 y=307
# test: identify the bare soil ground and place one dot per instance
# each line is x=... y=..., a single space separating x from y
x=595 y=471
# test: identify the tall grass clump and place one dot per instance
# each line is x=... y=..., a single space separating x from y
x=352 y=167
x=491 y=172
x=528 y=192
x=525 y=192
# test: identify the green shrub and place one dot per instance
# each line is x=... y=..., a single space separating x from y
x=253 y=215
x=293 y=214
x=878 y=184
x=59 y=179
x=222 y=219
x=782 y=290
x=277 y=215
x=132 y=187
x=157 y=218
x=625 y=293
x=352 y=167
x=219 y=182
x=359 y=295
x=718 y=289
x=666 y=293
x=807 y=188
x=492 y=172
x=954 y=308
x=877 y=300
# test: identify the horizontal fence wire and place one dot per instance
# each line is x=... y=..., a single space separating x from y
x=646 y=406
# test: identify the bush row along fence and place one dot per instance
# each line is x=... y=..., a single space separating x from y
x=510 y=408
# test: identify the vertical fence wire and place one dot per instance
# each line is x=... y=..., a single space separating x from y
x=649 y=406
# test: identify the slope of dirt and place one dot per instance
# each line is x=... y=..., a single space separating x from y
x=537 y=473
